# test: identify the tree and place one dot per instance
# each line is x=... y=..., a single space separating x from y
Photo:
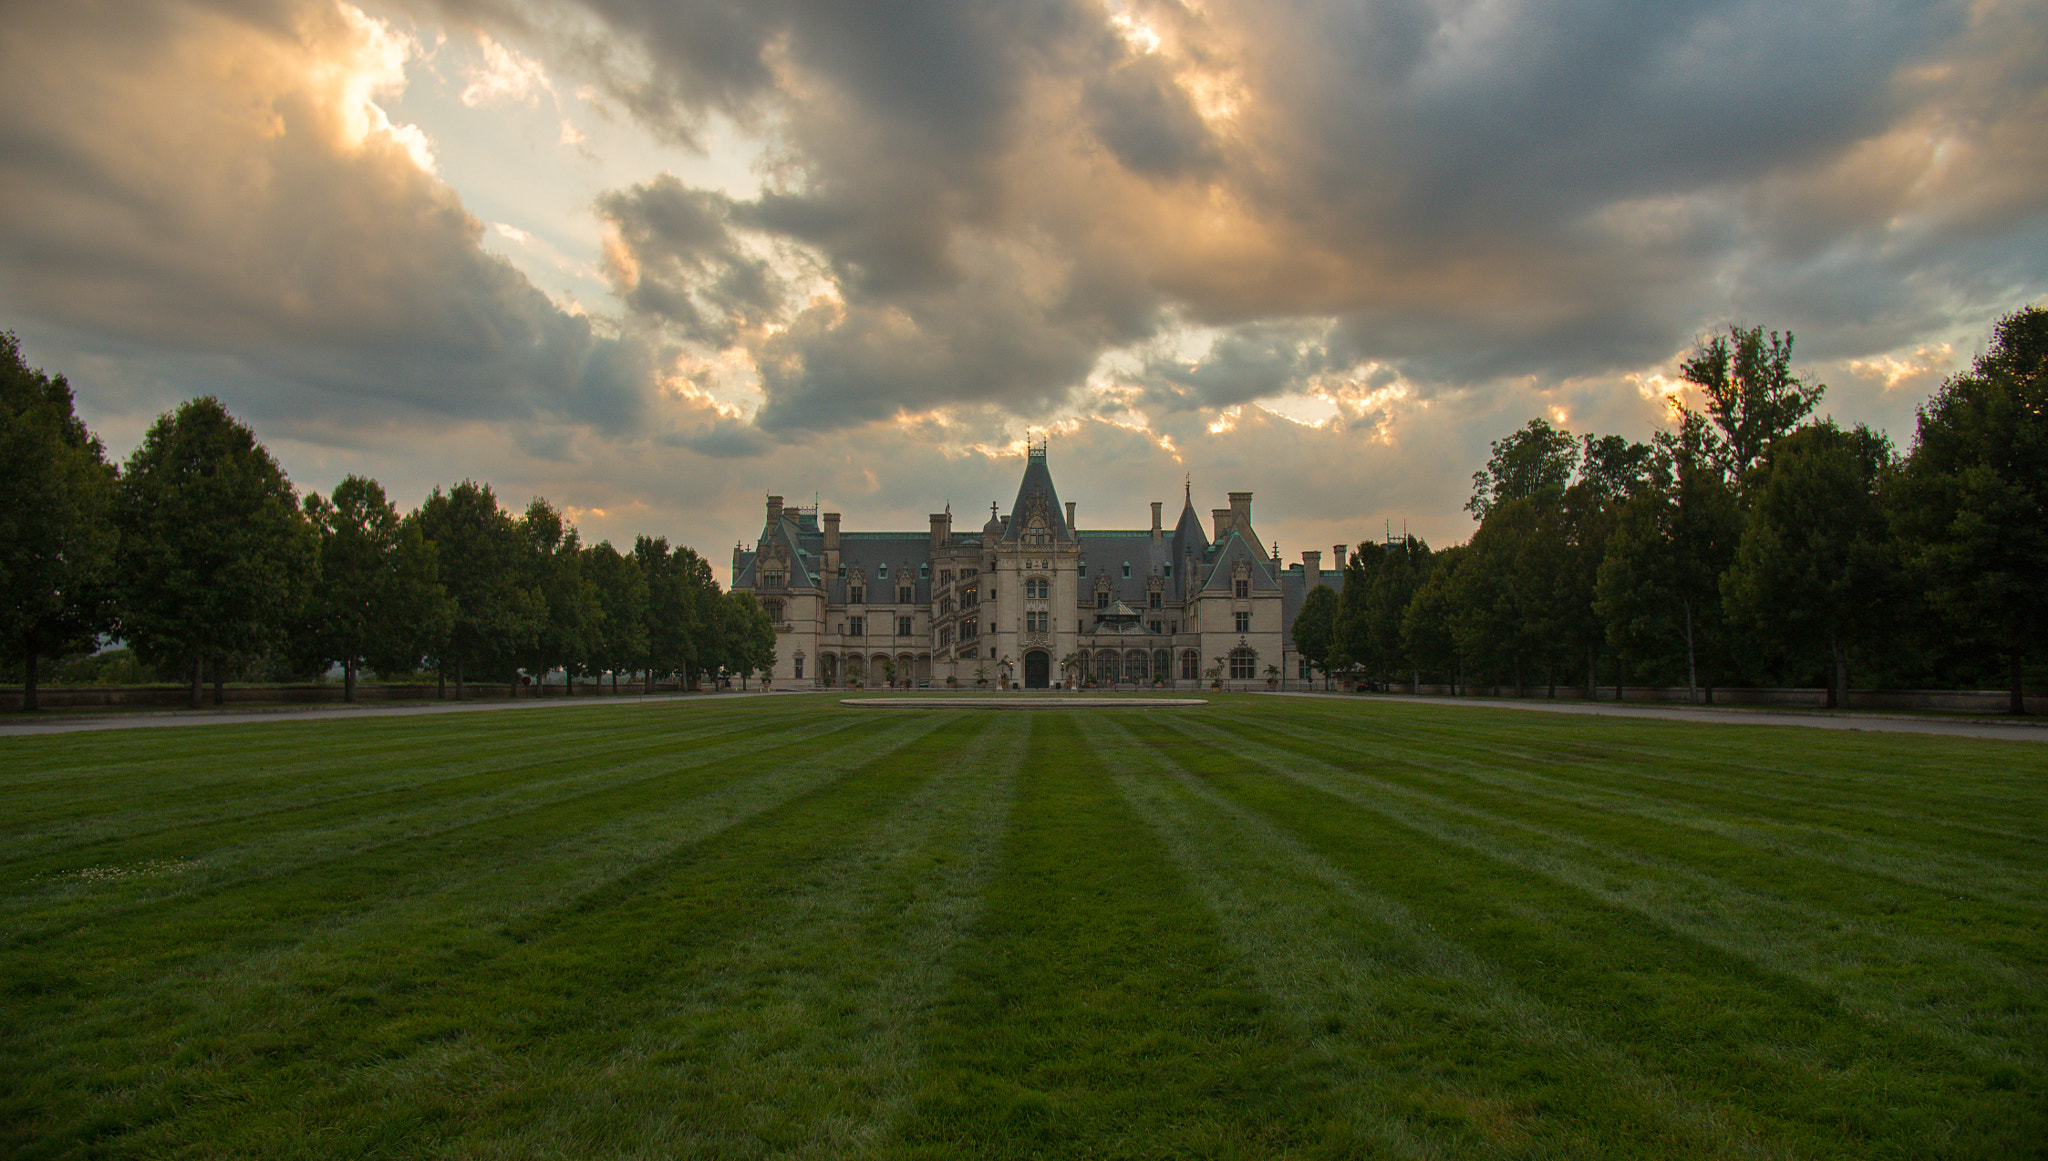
x=570 y=608
x=56 y=535
x=749 y=637
x=378 y=600
x=1315 y=627
x=481 y=550
x=1816 y=565
x=1752 y=395
x=214 y=558
x=1537 y=459
x=1428 y=623
x=620 y=638
x=1973 y=502
x=683 y=608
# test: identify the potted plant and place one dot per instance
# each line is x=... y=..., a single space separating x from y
x=952 y=682
x=1272 y=677
x=981 y=676
x=889 y=671
x=1215 y=674
x=855 y=670
x=1005 y=665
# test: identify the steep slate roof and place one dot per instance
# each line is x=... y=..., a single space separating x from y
x=908 y=555
x=1037 y=478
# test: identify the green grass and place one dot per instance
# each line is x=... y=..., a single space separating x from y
x=782 y=927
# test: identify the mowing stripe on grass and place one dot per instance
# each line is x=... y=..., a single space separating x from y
x=1371 y=983
x=307 y=975
x=1672 y=987
x=1095 y=1012
x=1948 y=987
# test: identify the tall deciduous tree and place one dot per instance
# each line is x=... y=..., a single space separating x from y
x=214 y=557
x=56 y=534
x=1315 y=627
x=1428 y=623
x=1751 y=394
x=619 y=641
x=1531 y=462
x=1974 y=500
x=748 y=637
x=481 y=552
x=570 y=609
x=1816 y=564
x=683 y=610
x=378 y=600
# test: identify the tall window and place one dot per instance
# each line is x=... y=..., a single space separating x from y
x=969 y=599
x=905 y=594
x=773 y=608
x=945 y=635
x=1241 y=589
x=1241 y=664
x=969 y=629
x=1155 y=626
x=1036 y=622
x=856 y=595
x=1152 y=600
x=856 y=626
x=1037 y=588
x=903 y=626
x=1102 y=599
x=1244 y=621
x=945 y=606
x=772 y=579
x=945 y=576
x=1303 y=666
x=1190 y=665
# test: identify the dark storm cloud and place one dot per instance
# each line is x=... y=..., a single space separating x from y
x=1254 y=361
x=1475 y=194
x=198 y=178
x=678 y=262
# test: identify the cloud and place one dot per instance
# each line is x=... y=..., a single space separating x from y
x=220 y=179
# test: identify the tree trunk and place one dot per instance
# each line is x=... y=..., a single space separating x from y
x=28 y=675
x=198 y=681
x=2018 y=705
x=348 y=681
x=1692 y=684
x=1838 y=689
x=648 y=685
x=458 y=679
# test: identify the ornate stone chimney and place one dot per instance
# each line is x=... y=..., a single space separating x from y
x=774 y=511
x=1312 y=566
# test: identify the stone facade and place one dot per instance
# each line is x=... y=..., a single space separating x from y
x=1029 y=598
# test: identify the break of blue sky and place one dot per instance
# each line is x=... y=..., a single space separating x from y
x=654 y=259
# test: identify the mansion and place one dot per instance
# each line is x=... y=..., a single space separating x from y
x=1029 y=598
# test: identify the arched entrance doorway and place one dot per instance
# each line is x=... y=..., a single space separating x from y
x=1037 y=669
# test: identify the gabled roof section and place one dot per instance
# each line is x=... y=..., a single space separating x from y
x=1036 y=496
x=1223 y=565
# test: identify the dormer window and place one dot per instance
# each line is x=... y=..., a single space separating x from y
x=1240 y=589
x=1127 y=570
x=1166 y=571
x=882 y=570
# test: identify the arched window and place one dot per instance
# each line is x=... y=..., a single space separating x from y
x=1190 y=665
x=1106 y=666
x=1243 y=664
x=1162 y=663
x=1137 y=666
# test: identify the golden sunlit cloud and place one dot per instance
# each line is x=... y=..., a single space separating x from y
x=505 y=75
x=373 y=65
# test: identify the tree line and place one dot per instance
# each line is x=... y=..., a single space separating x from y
x=198 y=553
x=1750 y=544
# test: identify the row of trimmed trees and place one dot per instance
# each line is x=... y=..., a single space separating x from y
x=1750 y=544
x=199 y=555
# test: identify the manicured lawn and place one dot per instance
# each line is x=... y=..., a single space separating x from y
x=1268 y=927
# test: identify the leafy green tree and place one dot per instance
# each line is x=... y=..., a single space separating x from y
x=748 y=638
x=1973 y=505
x=571 y=610
x=215 y=558
x=620 y=638
x=1315 y=628
x=1752 y=395
x=481 y=551
x=56 y=531
x=1816 y=566
x=1427 y=624
x=1383 y=596
x=378 y=600
x=683 y=611
x=1537 y=459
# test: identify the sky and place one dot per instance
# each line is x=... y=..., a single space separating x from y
x=655 y=260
